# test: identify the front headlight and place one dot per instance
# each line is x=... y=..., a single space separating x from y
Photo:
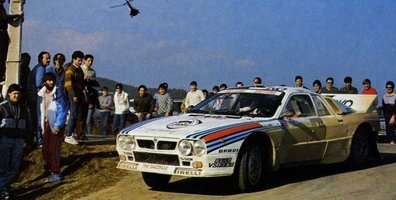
x=126 y=142
x=199 y=148
x=185 y=147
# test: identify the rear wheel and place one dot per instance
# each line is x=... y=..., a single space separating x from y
x=360 y=149
x=249 y=169
x=156 y=180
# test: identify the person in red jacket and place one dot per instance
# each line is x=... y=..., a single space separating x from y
x=367 y=89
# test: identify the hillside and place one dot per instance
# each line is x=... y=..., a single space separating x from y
x=132 y=90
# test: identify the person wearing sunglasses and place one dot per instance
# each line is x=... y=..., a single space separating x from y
x=329 y=89
x=389 y=108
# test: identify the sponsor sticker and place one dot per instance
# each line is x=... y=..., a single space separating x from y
x=228 y=150
x=157 y=167
x=182 y=124
x=188 y=172
x=222 y=162
x=128 y=166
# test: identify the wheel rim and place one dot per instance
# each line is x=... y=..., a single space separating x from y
x=254 y=169
x=361 y=148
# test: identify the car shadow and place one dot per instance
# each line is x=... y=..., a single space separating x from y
x=221 y=186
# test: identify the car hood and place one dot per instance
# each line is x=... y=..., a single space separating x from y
x=191 y=126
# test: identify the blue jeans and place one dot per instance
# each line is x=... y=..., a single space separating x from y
x=89 y=122
x=118 y=122
x=71 y=123
x=39 y=130
x=10 y=157
x=104 y=122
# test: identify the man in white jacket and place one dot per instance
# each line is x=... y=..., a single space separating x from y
x=121 y=108
x=53 y=108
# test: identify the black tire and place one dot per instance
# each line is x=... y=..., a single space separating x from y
x=156 y=180
x=249 y=169
x=360 y=150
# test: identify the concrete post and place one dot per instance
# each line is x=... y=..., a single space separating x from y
x=14 y=48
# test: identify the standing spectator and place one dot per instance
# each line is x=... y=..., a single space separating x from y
x=194 y=96
x=329 y=89
x=92 y=94
x=121 y=108
x=223 y=86
x=105 y=107
x=53 y=106
x=367 y=89
x=143 y=104
x=35 y=84
x=348 y=88
x=205 y=93
x=389 y=107
x=238 y=84
x=74 y=85
x=215 y=90
x=257 y=81
x=24 y=75
x=317 y=86
x=57 y=69
x=5 y=19
x=163 y=102
x=298 y=80
x=13 y=131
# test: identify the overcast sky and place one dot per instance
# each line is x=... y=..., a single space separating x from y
x=216 y=41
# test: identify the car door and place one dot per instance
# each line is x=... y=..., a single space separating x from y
x=304 y=132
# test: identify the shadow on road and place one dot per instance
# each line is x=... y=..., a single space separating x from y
x=223 y=186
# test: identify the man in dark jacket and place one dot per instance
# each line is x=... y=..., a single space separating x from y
x=14 y=118
x=143 y=104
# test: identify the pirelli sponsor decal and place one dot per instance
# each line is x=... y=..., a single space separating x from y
x=187 y=172
x=128 y=166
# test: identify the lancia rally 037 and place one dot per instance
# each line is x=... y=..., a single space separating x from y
x=247 y=132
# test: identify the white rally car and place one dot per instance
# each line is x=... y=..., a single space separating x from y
x=244 y=132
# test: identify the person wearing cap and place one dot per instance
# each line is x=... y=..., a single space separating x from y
x=389 y=108
x=367 y=89
x=14 y=130
x=348 y=88
x=194 y=96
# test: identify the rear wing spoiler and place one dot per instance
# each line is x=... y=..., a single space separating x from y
x=358 y=102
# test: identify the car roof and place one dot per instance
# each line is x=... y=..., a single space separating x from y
x=285 y=89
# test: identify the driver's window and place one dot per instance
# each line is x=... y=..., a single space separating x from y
x=299 y=106
x=320 y=107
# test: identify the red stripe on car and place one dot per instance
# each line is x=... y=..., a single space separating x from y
x=227 y=132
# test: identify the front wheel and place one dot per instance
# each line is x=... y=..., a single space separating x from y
x=156 y=180
x=249 y=169
x=360 y=148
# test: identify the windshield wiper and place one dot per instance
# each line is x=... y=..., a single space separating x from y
x=198 y=111
x=226 y=112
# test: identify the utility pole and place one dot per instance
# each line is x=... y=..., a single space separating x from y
x=14 y=49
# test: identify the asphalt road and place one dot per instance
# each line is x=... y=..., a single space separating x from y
x=377 y=181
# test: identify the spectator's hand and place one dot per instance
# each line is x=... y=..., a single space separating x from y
x=392 y=120
x=56 y=130
x=75 y=99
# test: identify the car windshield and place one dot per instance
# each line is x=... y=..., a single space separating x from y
x=255 y=104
